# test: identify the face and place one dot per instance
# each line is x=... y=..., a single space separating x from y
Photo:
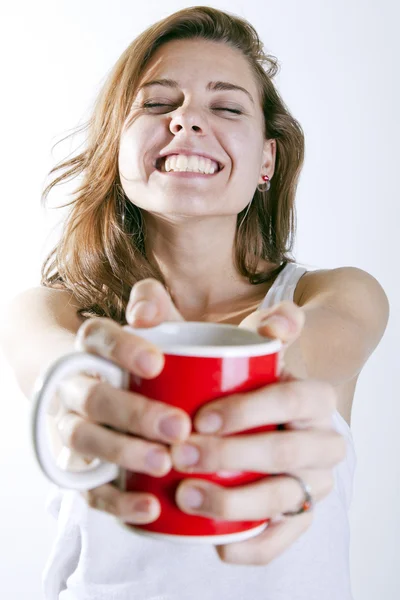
x=189 y=115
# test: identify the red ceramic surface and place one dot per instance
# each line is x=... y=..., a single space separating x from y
x=189 y=382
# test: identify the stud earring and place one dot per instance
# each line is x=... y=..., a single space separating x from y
x=266 y=184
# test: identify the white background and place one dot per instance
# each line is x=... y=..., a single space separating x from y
x=340 y=78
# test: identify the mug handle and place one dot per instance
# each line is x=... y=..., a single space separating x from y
x=46 y=386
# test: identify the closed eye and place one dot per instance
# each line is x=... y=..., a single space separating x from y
x=232 y=110
x=154 y=104
x=158 y=104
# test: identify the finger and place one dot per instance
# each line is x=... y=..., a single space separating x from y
x=272 y=452
x=123 y=410
x=269 y=544
x=131 y=453
x=106 y=338
x=67 y=459
x=309 y=424
x=284 y=321
x=150 y=304
x=131 y=507
x=310 y=400
x=264 y=499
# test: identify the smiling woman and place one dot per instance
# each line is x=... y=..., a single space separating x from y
x=185 y=212
x=161 y=89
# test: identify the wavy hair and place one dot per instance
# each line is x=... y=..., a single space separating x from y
x=101 y=253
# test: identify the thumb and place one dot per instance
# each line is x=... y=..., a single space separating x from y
x=150 y=304
x=283 y=321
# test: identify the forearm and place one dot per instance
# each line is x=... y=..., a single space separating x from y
x=39 y=327
x=29 y=360
x=332 y=347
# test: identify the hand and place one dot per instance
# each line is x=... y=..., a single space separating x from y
x=141 y=428
x=308 y=447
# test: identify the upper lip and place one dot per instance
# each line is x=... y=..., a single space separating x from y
x=188 y=152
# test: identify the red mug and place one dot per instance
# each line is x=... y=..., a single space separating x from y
x=203 y=362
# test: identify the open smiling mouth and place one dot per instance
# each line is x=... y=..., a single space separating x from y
x=187 y=166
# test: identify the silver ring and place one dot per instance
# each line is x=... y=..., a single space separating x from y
x=308 y=502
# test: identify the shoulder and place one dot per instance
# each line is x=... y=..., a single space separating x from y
x=53 y=295
x=350 y=292
x=344 y=281
x=56 y=303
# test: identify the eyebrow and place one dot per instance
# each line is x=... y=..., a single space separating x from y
x=213 y=86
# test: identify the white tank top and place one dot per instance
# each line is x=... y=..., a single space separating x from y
x=93 y=558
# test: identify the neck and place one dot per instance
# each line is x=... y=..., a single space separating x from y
x=197 y=261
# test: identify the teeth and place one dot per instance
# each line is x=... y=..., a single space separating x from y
x=181 y=162
x=170 y=163
x=195 y=164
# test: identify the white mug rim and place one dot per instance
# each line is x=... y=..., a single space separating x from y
x=262 y=346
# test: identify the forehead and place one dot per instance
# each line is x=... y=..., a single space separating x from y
x=195 y=62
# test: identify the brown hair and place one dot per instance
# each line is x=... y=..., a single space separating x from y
x=101 y=253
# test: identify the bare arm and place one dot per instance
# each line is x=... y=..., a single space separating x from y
x=39 y=326
x=346 y=312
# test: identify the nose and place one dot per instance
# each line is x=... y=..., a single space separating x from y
x=187 y=120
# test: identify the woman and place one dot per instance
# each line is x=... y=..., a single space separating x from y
x=186 y=211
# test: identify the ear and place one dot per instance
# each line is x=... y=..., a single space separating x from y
x=268 y=159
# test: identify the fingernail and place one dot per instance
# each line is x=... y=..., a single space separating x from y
x=157 y=460
x=149 y=362
x=96 y=339
x=192 y=497
x=55 y=405
x=143 y=506
x=209 y=423
x=277 y=519
x=172 y=427
x=186 y=455
x=144 y=310
x=278 y=322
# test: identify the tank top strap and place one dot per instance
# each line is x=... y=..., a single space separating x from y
x=285 y=284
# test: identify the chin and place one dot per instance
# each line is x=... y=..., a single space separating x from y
x=184 y=205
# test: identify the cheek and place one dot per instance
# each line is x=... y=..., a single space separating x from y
x=133 y=144
x=247 y=149
x=138 y=145
x=126 y=156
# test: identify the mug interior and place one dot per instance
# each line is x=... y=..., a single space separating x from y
x=206 y=339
